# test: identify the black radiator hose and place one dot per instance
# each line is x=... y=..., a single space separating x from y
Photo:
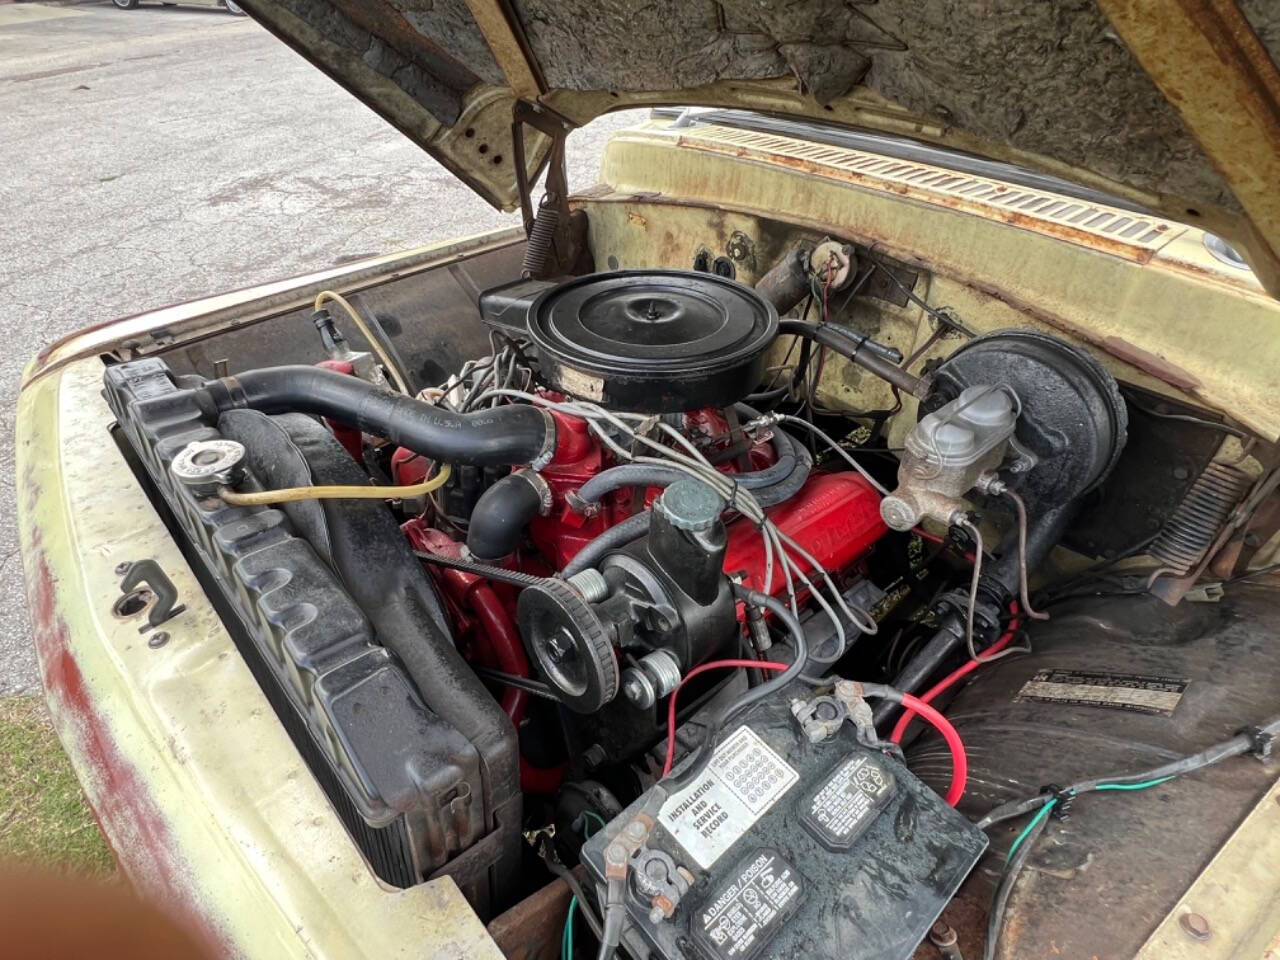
x=502 y=513
x=514 y=434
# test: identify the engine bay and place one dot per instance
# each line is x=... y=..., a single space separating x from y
x=626 y=607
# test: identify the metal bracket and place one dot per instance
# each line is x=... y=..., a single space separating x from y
x=165 y=607
x=1260 y=742
x=1205 y=593
x=557 y=128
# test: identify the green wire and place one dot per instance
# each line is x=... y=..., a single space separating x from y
x=1132 y=786
x=566 y=939
x=1044 y=812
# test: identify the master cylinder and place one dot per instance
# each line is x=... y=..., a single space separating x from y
x=947 y=451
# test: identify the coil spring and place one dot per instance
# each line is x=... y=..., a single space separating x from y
x=537 y=251
x=1190 y=530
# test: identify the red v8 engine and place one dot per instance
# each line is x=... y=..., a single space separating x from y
x=629 y=549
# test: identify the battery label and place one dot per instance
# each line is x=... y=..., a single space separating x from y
x=1119 y=691
x=844 y=804
x=743 y=780
x=741 y=916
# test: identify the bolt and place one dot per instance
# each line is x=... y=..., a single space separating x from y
x=1181 y=473
x=555 y=650
x=662 y=908
x=942 y=935
x=1195 y=926
x=615 y=854
x=594 y=756
x=633 y=690
x=157 y=640
x=122 y=568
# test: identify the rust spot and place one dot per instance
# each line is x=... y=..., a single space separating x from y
x=636 y=219
x=134 y=826
x=1028 y=221
x=1153 y=364
x=533 y=926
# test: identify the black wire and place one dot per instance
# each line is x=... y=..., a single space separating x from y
x=1096 y=594
x=1053 y=592
x=781 y=367
x=1240 y=744
x=941 y=316
x=995 y=919
x=1185 y=418
x=856 y=288
x=674 y=782
x=565 y=874
x=1261 y=571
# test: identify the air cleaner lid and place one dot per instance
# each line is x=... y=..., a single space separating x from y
x=653 y=340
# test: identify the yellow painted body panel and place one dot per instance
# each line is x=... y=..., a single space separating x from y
x=1238 y=894
x=146 y=333
x=198 y=788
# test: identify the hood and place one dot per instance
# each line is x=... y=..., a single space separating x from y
x=1179 y=114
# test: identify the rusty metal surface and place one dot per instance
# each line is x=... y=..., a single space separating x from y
x=1211 y=66
x=531 y=930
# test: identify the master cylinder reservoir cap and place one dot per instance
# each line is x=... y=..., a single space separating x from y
x=690 y=504
x=206 y=465
x=986 y=407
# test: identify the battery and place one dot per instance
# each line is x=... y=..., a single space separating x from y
x=784 y=847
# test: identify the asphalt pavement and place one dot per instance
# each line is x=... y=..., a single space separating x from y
x=155 y=155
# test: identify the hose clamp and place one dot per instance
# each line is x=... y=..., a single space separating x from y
x=578 y=505
x=548 y=450
x=235 y=392
x=540 y=486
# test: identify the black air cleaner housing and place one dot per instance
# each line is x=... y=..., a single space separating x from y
x=652 y=341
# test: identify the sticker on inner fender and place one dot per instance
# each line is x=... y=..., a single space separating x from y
x=740 y=917
x=743 y=780
x=1119 y=691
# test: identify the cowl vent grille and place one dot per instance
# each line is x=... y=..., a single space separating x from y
x=1117 y=231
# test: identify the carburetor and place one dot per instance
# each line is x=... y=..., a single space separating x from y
x=947 y=451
